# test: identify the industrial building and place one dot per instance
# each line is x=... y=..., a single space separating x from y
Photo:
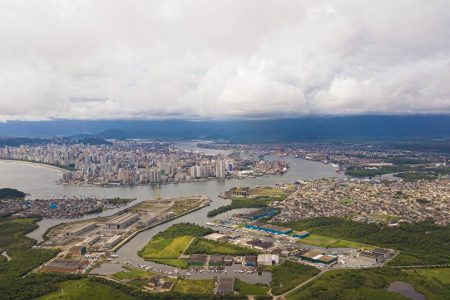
x=268 y=259
x=250 y=261
x=77 y=251
x=260 y=244
x=66 y=266
x=215 y=237
x=301 y=234
x=147 y=220
x=80 y=229
x=91 y=240
x=270 y=228
x=123 y=221
x=317 y=256
x=114 y=240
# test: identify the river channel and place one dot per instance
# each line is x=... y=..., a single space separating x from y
x=40 y=182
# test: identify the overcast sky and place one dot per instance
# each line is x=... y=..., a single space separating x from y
x=222 y=59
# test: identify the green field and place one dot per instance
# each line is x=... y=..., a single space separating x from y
x=165 y=247
x=246 y=289
x=202 y=246
x=195 y=286
x=350 y=244
x=85 y=289
x=168 y=245
x=368 y=284
x=318 y=240
x=131 y=273
x=440 y=274
x=290 y=274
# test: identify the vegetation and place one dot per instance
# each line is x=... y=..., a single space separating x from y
x=8 y=193
x=23 y=260
x=319 y=240
x=237 y=203
x=289 y=274
x=436 y=274
x=368 y=284
x=415 y=240
x=181 y=229
x=86 y=289
x=205 y=287
x=202 y=246
x=168 y=245
x=246 y=289
x=407 y=172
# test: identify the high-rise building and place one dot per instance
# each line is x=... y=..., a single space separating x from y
x=221 y=168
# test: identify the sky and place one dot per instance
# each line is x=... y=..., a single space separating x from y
x=230 y=59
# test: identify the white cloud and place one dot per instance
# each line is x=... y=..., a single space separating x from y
x=222 y=59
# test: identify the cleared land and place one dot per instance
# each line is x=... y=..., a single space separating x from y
x=203 y=287
x=85 y=289
x=319 y=240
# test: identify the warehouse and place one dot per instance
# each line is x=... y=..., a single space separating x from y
x=270 y=228
x=301 y=234
x=91 y=240
x=268 y=259
x=215 y=237
x=77 y=251
x=317 y=256
x=80 y=229
x=65 y=266
x=113 y=241
x=123 y=221
x=147 y=220
x=250 y=261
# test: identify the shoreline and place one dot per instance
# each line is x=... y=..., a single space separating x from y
x=34 y=163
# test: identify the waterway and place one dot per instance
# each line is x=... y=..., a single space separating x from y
x=40 y=182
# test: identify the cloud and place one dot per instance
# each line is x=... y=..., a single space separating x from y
x=226 y=59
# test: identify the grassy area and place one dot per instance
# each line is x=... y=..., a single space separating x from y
x=246 y=289
x=439 y=274
x=161 y=247
x=350 y=244
x=175 y=262
x=202 y=246
x=131 y=273
x=414 y=240
x=290 y=274
x=368 y=284
x=318 y=240
x=187 y=286
x=85 y=289
x=166 y=246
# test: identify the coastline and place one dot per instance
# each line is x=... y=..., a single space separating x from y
x=33 y=163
